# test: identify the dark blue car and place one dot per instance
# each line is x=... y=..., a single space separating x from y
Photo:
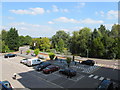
x=105 y=85
x=5 y=85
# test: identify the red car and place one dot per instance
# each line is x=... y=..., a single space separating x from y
x=50 y=69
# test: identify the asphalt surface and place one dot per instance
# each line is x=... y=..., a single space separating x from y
x=27 y=77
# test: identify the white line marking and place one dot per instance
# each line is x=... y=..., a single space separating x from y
x=101 y=78
x=95 y=77
x=91 y=75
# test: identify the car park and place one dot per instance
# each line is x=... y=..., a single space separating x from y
x=41 y=66
x=105 y=85
x=88 y=62
x=50 y=69
x=5 y=85
x=33 y=61
x=24 y=61
x=68 y=72
x=9 y=55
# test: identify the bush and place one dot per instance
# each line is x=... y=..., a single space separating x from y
x=27 y=52
x=36 y=52
x=51 y=56
x=68 y=60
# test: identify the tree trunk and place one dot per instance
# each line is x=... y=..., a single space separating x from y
x=73 y=58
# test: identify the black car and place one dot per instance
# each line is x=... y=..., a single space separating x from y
x=9 y=55
x=68 y=72
x=41 y=66
x=105 y=85
x=88 y=62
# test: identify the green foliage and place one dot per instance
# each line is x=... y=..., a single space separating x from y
x=68 y=60
x=12 y=39
x=3 y=48
x=60 y=46
x=25 y=40
x=42 y=43
x=60 y=40
x=27 y=52
x=51 y=56
x=36 y=52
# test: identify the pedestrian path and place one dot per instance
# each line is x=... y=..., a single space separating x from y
x=98 y=77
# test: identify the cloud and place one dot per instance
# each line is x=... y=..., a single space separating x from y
x=50 y=22
x=34 y=30
x=56 y=9
x=84 y=21
x=111 y=14
x=32 y=11
x=91 y=21
x=11 y=18
x=80 y=5
x=66 y=20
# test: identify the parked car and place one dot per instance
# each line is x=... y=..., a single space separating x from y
x=88 y=62
x=42 y=57
x=5 y=85
x=50 y=69
x=41 y=66
x=68 y=72
x=105 y=85
x=9 y=55
x=24 y=61
x=33 y=54
x=33 y=61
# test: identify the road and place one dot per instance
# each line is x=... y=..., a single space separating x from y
x=27 y=77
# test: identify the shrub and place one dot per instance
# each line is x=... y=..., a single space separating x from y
x=68 y=60
x=36 y=52
x=27 y=52
x=51 y=56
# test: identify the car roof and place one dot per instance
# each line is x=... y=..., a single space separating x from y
x=105 y=83
x=50 y=66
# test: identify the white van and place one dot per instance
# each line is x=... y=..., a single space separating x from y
x=33 y=61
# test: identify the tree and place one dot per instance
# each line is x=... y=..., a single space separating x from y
x=3 y=48
x=60 y=46
x=4 y=35
x=68 y=60
x=12 y=39
x=45 y=45
x=27 y=52
x=28 y=40
x=21 y=40
x=51 y=56
x=60 y=35
x=97 y=48
x=36 y=52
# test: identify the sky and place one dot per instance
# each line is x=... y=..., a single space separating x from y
x=43 y=19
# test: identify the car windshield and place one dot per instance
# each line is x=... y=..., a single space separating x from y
x=47 y=68
x=6 y=84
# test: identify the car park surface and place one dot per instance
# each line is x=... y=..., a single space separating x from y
x=27 y=77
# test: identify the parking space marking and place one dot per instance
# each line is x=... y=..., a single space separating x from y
x=95 y=77
x=101 y=78
x=91 y=75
